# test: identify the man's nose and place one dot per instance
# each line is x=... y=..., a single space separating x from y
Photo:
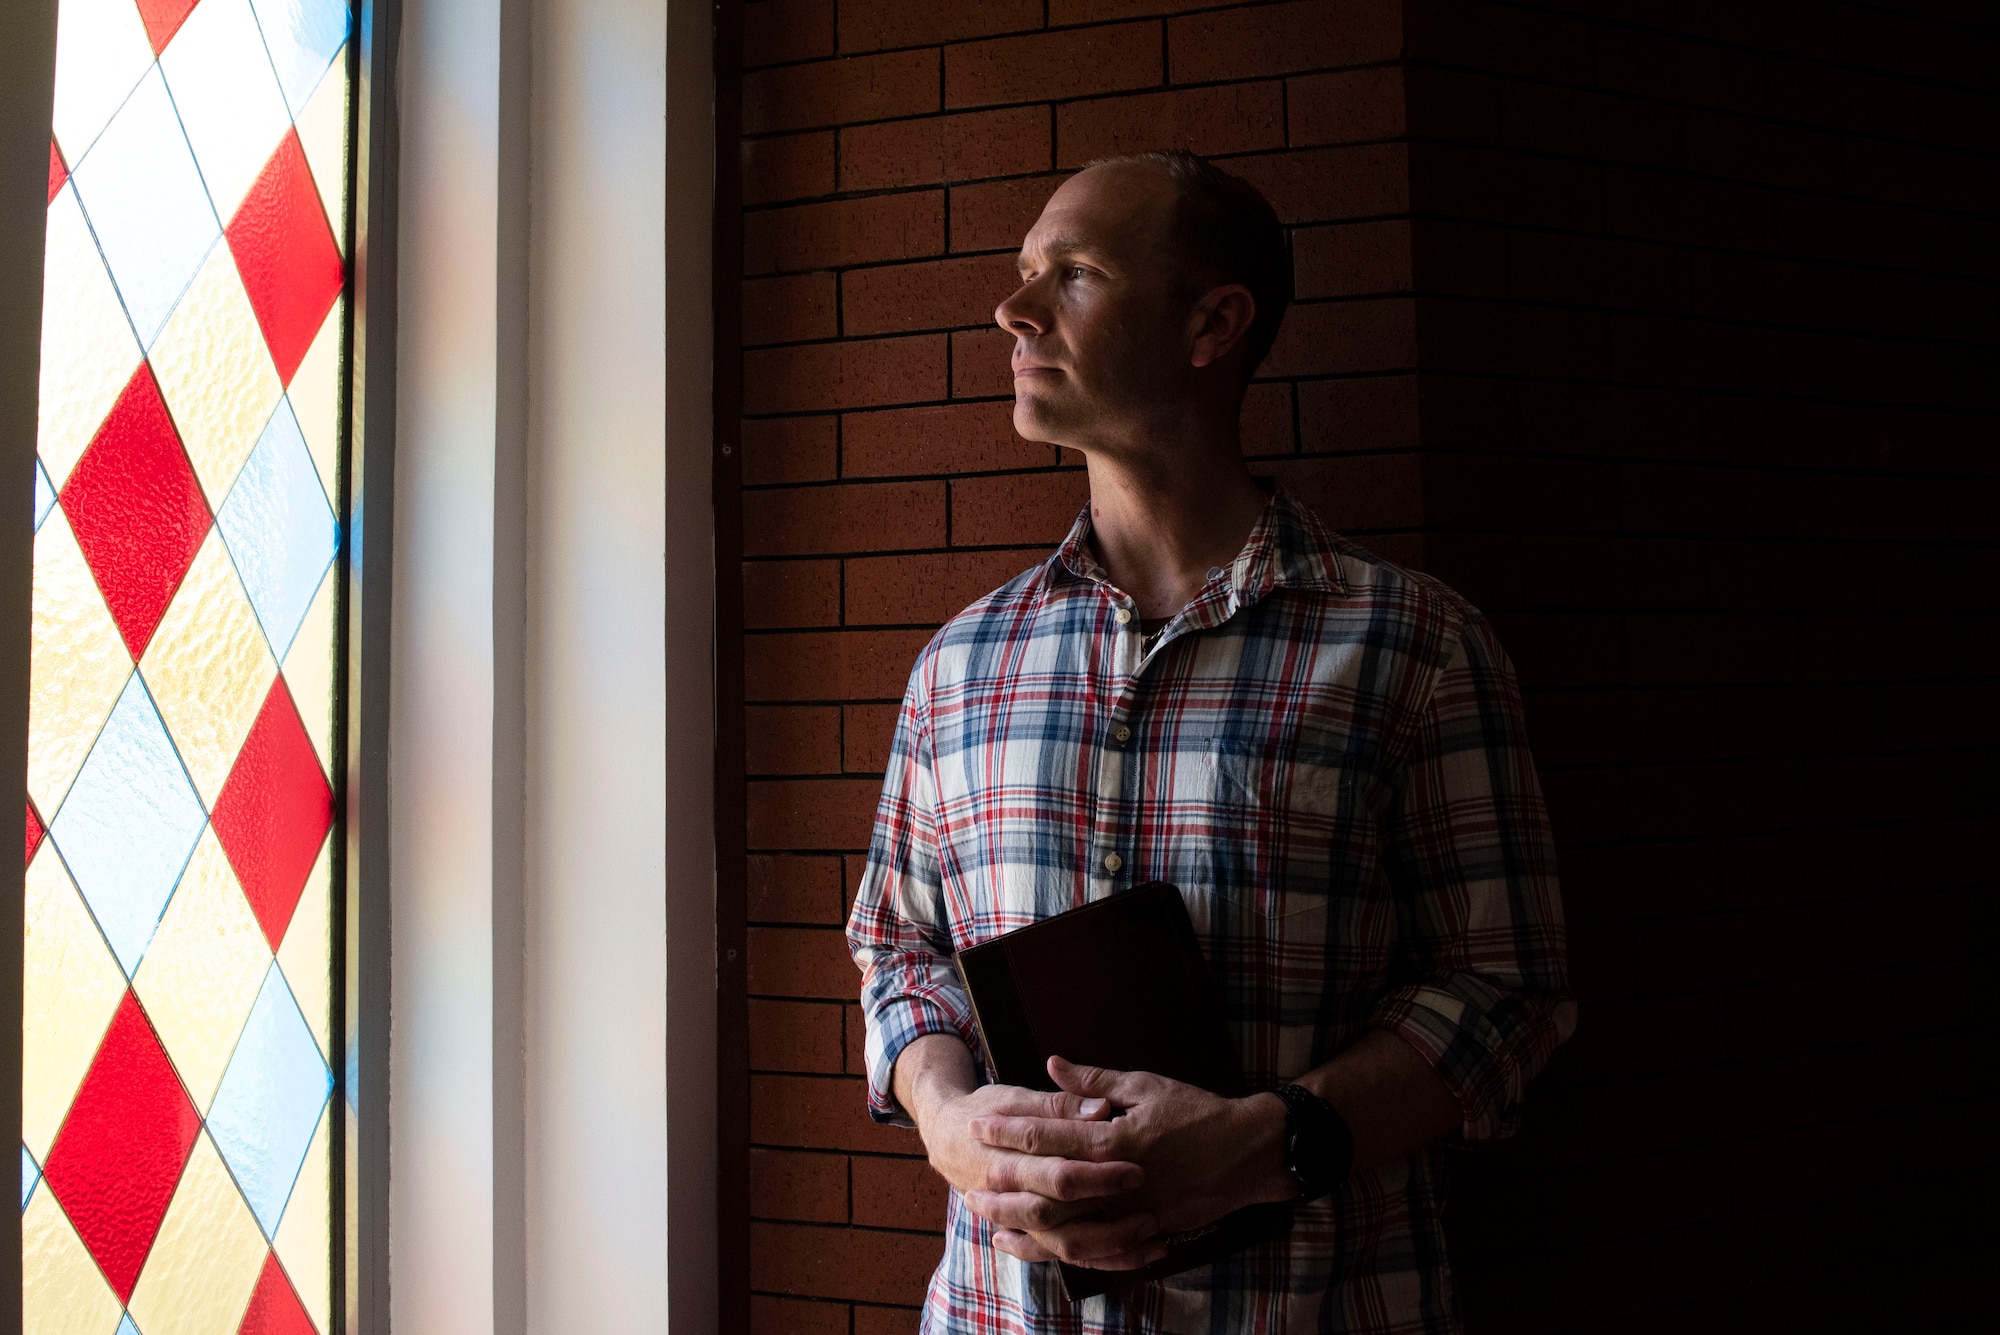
x=1021 y=314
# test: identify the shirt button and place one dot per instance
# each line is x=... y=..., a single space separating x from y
x=1123 y=733
x=1112 y=862
x=1124 y=615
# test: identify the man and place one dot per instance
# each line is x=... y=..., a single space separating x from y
x=1322 y=751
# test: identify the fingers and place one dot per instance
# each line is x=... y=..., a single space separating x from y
x=1118 y=1087
x=1024 y=1210
x=1014 y=1101
x=1101 y=1244
x=1097 y=1141
x=1062 y=1179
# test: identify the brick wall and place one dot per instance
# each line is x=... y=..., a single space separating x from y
x=1660 y=338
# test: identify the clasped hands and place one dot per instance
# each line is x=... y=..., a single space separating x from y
x=1105 y=1171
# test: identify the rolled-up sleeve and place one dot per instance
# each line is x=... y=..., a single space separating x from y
x=1472 y=864
x=899 y=933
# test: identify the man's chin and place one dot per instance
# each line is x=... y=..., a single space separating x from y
x=1037 y=419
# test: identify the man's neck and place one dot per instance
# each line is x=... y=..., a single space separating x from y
x=1159 y=524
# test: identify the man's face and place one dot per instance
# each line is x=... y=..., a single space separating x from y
x=1100 y=344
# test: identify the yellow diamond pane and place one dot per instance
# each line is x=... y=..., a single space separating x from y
x=70 y=989
x=202 y=971
x=77 y=665
x=216 y=374
x=204 y=1263
x=209 y=668
x=88 y=348
x=315 y=393
x=306 y=957
x=323 y=135
x=305 y=1241
x=309 y=667
x=62 y=1290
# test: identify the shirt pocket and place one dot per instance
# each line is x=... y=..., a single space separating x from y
x=1280 y=813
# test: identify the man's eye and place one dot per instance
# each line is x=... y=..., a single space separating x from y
x=1075 y=271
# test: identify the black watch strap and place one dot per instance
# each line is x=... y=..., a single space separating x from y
x=1319 y=1147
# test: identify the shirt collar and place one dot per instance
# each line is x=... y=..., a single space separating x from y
x=1288 y=548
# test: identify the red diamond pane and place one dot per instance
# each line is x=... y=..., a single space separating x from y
x=274 y=1309
x=273 y=813
x=119 y=1155
x=163 y=18
x=35 y=831
x=137 y=510
x=57 y=172
x=286 y=255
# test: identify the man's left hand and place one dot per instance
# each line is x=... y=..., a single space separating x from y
x=1204 y=1156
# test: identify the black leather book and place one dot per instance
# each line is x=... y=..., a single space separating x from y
x=1119 y=983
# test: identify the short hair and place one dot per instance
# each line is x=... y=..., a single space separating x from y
x=1229 y=233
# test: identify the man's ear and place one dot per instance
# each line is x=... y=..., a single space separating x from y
x=1220 y=322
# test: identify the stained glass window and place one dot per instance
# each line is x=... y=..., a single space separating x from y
x=179 y=1048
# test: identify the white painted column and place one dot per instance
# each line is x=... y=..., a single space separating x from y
x=552 y=1030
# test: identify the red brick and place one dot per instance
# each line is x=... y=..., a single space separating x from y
x=840 y=92
x=996 y=215
x=1234 y=118
x=898 y=1193
x=866 y=516
x=1030 y=507
x=844 y=231
x=1358 y=259
x=1347 y=107
x=831 y=665
x=785 y=1184
x=809 y=962
x=950 y=438
x=1332 y=184
x=932 y=587
x=1283 y=39
x=790 y=1316
x=810 y=376
x=937 y=294
x=1053 y=65
x=791 y=739
x=790 y=449
x=1267 y=420
x=776 y=31
x=1358 y=492
x=982 y=363
x=790 y=309
x=866 y=732
x=1373 y=413
x=887 y=1320
x=818 y=1112
x=791 y=595
x=794 y=889
x=811 y=813
x=1097 y=11
x=792 y=166
x=1344 y=337
x=842 y=1263
x=797 y=1036
x=869 y=25
x=1012 y=141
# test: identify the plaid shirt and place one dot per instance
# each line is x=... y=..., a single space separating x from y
x=1326 y=754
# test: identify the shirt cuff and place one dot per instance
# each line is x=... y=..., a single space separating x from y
x=896 y=1022
x=1483 y=1042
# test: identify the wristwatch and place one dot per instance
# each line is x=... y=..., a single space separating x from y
x=1319 y=1148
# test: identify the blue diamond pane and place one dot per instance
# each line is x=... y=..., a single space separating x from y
x=125 y=1326
x=31 y=1173
x=303 y=37
x=279 y=528
x=147 y=205
x=128 y=825
x=45 y=495
x=270 y=1101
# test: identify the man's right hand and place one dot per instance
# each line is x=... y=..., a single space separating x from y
x=1020 y=1194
